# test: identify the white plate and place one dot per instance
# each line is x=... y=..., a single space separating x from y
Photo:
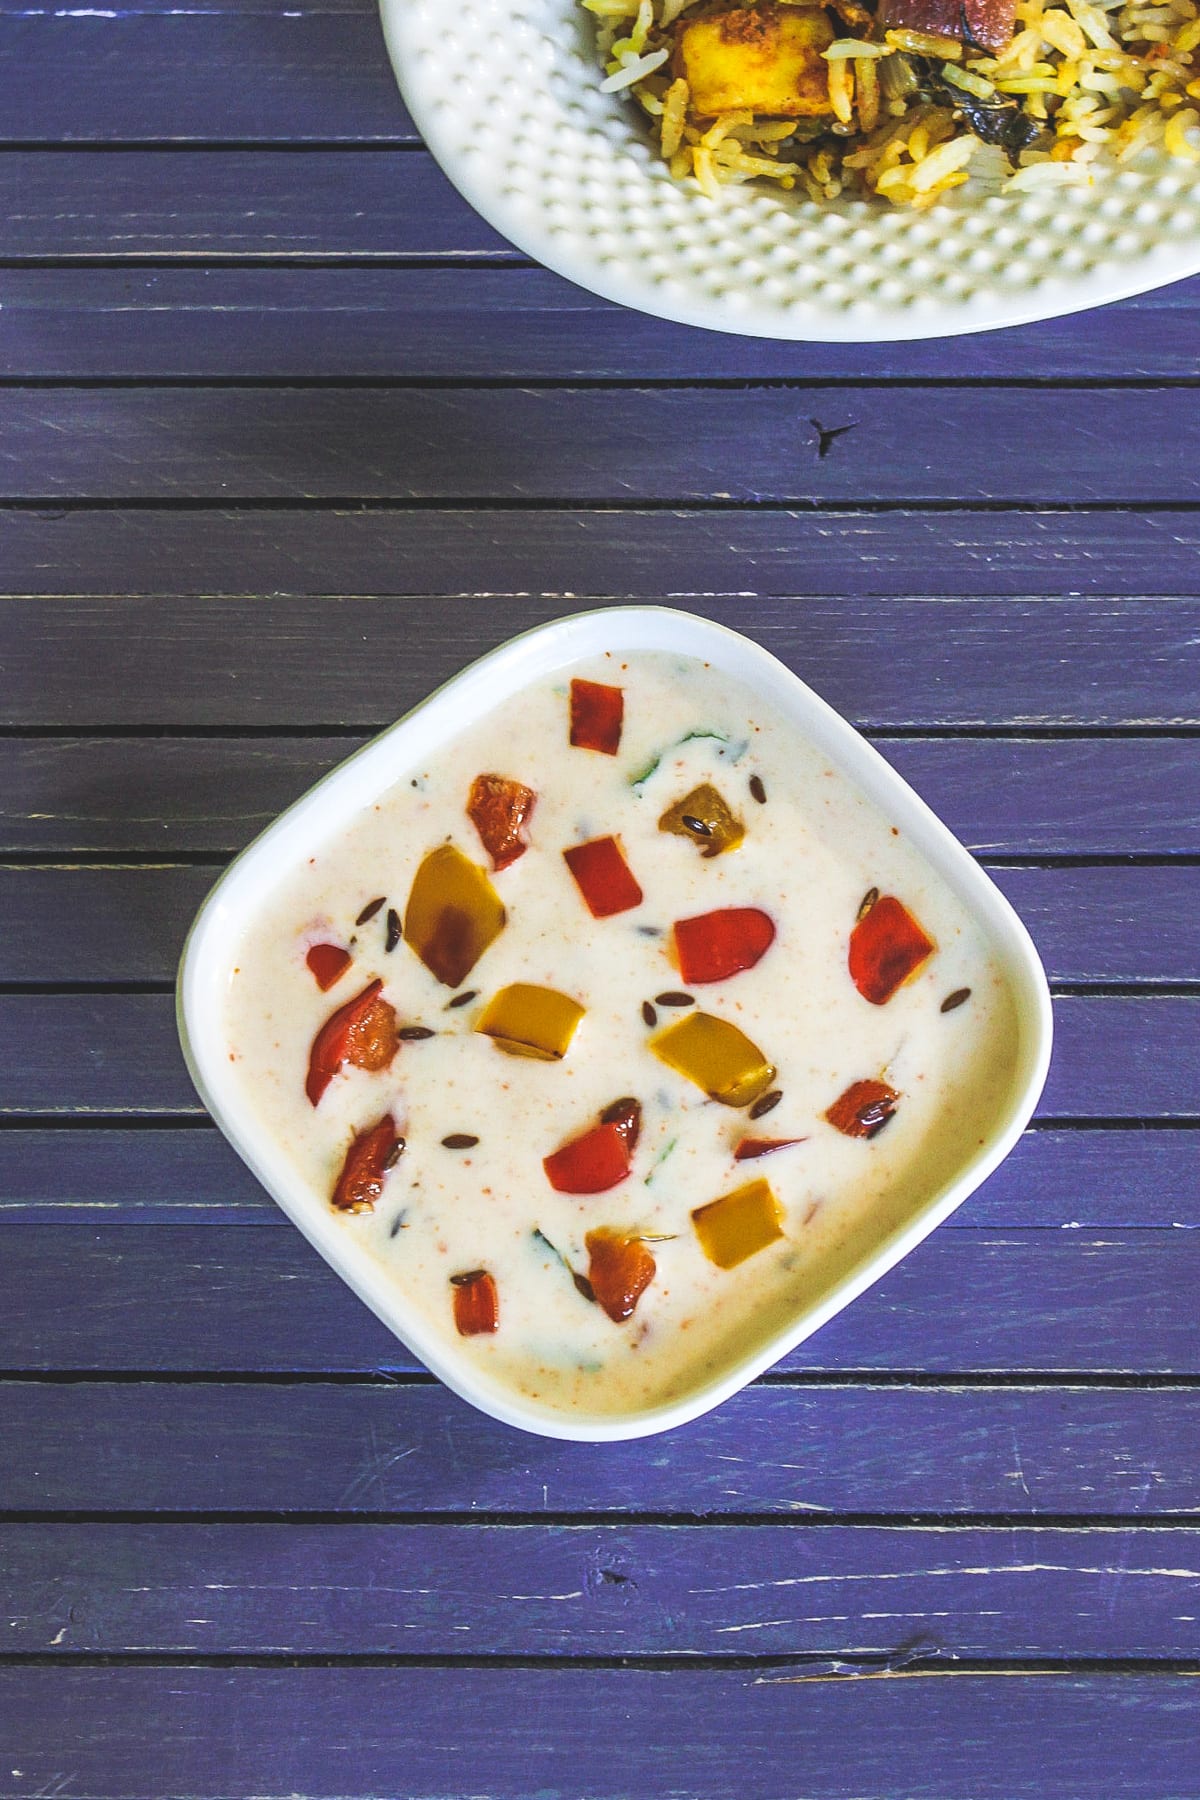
x=212 y=949
x=506 y=95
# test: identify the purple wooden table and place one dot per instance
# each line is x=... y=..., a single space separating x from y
x=288 y=435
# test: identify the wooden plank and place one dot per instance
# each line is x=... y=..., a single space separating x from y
x=772 y=1451
x=600 y=1590
x=103 y=924
x=110 y=77
x=511 y=323
x=593 y=446
x=1009 y=796
x=264 y=204
x=882 y=662
x=220 y=1299
x=1057 y=1179
x=629 y=553
x=345 y=1733
x=83 y=1052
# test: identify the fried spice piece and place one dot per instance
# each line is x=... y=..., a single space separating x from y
x=758 y=59
x=453 y=914
x=603 y=877
x=476 y=1303
x=713 y=946
x=597 y=715
x=620 y=1269
x=985 y=23
x=499 y=809
x=705 y=818
x=602 y=1157
x=864 y=1109
x=361 y=1033
x=371 y=1154
x=887 y=947
x=327 y=964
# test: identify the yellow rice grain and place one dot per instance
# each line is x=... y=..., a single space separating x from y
x=674 y=113
x=841 y=91
x=943 y=161
x=1174 y=138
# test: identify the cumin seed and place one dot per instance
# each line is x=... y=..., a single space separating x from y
x=868 y=900
x=414 y=1034
x=459 y=1140
x=699 y=826
x=648 y=1013
x=758 y=790
x=767 y=1104
x=462 y=999
x=370 y=909
x=675 y=999
x=393 y=929
x=955 y=1000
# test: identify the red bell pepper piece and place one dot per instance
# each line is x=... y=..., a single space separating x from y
x=713 y=946
x=362 y=1033
x=370 y=1156
x=886 y=947
x=864 y=1109
x=603 y=877
x=597 y=714
x=476 y=1303
x=620 y=1269
x=751 y=1147
x=328 y=963
x=499 y=809
x=601 y=1157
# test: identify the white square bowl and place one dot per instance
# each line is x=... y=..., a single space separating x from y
x=246 y=886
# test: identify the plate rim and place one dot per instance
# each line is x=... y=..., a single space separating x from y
x=1110 y=283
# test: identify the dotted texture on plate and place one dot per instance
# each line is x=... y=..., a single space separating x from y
x=507 y=98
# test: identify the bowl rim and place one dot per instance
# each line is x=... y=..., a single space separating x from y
x=376 y=767
x=1174 y=256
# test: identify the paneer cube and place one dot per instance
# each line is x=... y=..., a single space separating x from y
x=758 y=59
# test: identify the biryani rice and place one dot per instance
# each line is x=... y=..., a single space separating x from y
x=1080 y=79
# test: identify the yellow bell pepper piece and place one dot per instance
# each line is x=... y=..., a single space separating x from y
x=453 y=914
x=531 y=1021
x=718 y=1057
x=739 y=1224
x=704 y=817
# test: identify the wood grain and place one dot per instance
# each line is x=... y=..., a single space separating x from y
x=183 y=76
x=268 y=205
x=775 y=1450
x=633 y=554
x=594 y=446
x=596 y=1590
x=220 y=1299
x=883 y=662
x=352 y=1733
x=512 y=324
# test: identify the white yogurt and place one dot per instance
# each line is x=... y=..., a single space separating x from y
x=808 y=856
